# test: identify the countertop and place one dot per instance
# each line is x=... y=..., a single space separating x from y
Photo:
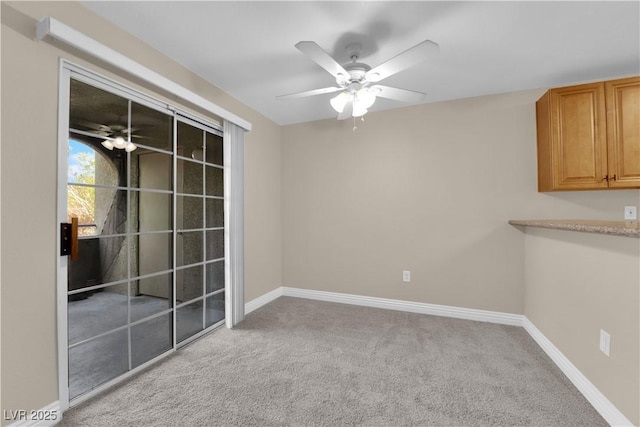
x=616 y=228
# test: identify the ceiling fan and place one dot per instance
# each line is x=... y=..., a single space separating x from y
x=116 y=136
x=357 y=82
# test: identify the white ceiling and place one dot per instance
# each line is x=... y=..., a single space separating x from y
x=247 y=48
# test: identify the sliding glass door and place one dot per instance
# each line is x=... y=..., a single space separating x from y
x=145 y=187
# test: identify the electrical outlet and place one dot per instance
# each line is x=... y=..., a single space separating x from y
x=605 y=342
x=630 y=213
x=406 y=276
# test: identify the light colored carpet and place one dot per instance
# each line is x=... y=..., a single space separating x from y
x=309 y=363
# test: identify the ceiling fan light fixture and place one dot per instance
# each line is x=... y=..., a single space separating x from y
x=358 y=109
x=197 y=154
x=119 y=142
x=130 y=147
x=338 y=102
x=365 y=97
x=107 y=144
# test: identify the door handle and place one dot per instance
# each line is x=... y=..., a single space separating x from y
x=69 y=238
x=74 y=238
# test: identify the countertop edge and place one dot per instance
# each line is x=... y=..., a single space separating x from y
x=614 y=228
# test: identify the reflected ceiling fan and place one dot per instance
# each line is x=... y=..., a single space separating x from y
x=357 y=82
x=116 y=136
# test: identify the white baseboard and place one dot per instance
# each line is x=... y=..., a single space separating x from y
x=412 y=307
x=598 y=400
x=35 y=418
x=254 y=304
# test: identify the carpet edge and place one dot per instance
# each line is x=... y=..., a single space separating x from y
x=408 y=306
x=594 y=396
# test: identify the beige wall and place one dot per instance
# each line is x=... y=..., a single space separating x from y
x=577 y=284
x=430 y=189
x=28 y=186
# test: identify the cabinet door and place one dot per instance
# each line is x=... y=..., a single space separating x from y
x=579 y=137
x=623 y=132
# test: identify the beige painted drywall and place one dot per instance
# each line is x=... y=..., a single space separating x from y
x=28 y=185
x=578 y=284
x=430 y=189
x=427 y=189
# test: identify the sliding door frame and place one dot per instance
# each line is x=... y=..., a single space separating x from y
x=233 y=221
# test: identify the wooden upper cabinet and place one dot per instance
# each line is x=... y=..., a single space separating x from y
x=588 y=136
x=578 y=136
x=623 y=132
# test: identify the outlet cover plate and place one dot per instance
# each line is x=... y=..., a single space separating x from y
x=406 y=276
x=630 y=213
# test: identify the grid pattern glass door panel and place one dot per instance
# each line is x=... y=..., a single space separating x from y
x=197 y=212
x=189 y=284
x=151 y=338
x=189 y=212
x=189 y=177
x=95 y=362
x=189 y=320
x=153 y=209
x=215 y=276
x=150 y=295
x=215 y=181
x=214 y=213
x=145 y=222
x=214 y=149
x=215 y=309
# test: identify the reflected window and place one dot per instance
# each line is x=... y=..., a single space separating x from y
x=86 y=168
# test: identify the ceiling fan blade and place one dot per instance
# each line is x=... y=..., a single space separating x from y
x=347 y=112
x=322 y=58
x=115 y=128
x=402 y=61
x=310 y=93
x=403 y=95
x=88 y=125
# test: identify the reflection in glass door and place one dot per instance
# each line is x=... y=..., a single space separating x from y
x=200 y=230
x=150 y=209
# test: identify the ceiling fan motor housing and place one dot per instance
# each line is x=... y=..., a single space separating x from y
x=356 y=70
